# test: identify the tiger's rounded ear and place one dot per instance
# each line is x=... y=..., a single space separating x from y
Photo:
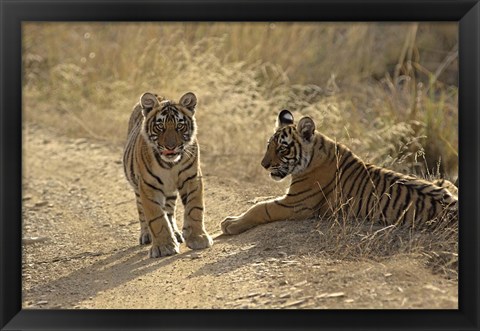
x=189 y=100
x=285 y=117
x=148 y=101
x=306 y=128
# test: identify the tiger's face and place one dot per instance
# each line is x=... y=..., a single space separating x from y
x=287 y=150
x=169 y=127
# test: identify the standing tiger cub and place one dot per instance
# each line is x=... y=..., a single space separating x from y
x=328 y=178
x=160 y=160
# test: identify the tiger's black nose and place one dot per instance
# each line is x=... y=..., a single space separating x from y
x=265 y=163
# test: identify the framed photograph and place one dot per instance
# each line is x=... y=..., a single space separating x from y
x=239 y=165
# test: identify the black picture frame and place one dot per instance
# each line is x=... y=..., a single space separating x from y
x=14 y=12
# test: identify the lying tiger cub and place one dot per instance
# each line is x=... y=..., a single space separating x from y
x=327 y=176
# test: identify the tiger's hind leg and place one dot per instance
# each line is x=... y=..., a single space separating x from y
x=170 y=202
x=448 y=185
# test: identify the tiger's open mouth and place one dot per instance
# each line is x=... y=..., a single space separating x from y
x=170 y=155
x=169 y=152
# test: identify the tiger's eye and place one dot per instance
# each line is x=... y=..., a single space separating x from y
x=159 y=127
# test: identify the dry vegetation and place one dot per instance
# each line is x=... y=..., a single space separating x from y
x=379 y=88
x=388 y=91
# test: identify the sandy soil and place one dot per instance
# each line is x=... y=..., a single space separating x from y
x=80 y=247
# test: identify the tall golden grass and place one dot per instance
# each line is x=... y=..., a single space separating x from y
x=388 y=91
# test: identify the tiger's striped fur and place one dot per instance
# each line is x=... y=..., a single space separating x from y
x=448 y=185
x=327 y=178
x=161 y=159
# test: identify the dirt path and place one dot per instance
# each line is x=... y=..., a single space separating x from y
x=80 y=247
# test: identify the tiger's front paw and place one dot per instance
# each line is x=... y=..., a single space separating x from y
x=232 y=225
x=199 y=241
x=145 y=238
x=163 y=250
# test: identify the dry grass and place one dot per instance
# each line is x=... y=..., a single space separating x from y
x=388 y=91
x=362 y=240
x=348 y=238
x=378 y=88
